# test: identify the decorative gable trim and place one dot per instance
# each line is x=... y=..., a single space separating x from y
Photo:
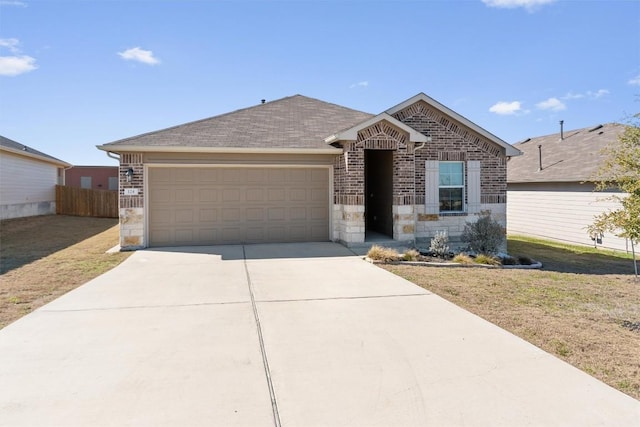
x=351 y=134
x=422 y=104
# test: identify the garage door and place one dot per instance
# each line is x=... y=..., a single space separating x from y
x=214 y=205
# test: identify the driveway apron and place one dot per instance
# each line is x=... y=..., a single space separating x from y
x=280 y=335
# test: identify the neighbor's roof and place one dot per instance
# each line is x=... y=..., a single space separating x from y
x=576 y=158
x=292 y=123
x=14 y=147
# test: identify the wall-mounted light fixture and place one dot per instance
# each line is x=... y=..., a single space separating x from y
x=129 y=174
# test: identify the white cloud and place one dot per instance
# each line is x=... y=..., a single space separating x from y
x=635 y=81
x=359 y=84
x=140 y=55
x=530 y=5
x=506 y=108
x=11 y=44
x=15 y=64
x=597 y=94
x=588 y=94
x=553 y=104
x=12 y=3
x=571 y=95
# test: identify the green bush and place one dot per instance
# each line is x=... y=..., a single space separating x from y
x=485 y=236
x=509 y=260
x=524 y=260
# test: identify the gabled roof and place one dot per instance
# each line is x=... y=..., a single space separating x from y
x=288 y=124
x=11 y=146
x=509 y=149
x=351 y=134
x=576 y=158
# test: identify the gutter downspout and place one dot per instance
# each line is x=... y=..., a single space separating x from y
x=415 y=204
x=113 y=156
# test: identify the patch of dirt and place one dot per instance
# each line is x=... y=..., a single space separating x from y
x=44 y=257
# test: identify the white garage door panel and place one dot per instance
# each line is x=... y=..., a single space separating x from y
x=203 y=206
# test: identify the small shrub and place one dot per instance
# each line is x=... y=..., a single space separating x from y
x=462 y=259
x=440 y=244
x=524 y=260
x=379 y=253
x=485 y=236
x=411 y=255
x=487 y=260
x=509 y=260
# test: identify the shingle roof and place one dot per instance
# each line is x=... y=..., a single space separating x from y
x=14 y=146
x=294 y=122
x=576 y=158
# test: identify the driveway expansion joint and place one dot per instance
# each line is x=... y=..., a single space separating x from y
x=265 y=361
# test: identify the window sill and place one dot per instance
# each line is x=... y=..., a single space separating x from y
x=453 y=214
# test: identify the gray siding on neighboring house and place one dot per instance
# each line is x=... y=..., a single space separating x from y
x=27 y=186
x=559 y=211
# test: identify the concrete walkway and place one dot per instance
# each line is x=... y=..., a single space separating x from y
x=270 y=335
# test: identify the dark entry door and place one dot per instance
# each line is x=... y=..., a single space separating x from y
x=378 y=170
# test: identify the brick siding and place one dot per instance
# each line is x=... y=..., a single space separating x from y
x=450 y=142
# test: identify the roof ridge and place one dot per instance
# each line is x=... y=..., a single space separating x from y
x=119 y=141
x=572 y=132
x=27 y=149
x=199 y=120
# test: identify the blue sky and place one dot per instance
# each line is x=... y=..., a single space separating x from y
x=76 y=74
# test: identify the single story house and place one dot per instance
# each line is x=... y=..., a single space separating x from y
x=92 y=177
x=300 y=169
x=28 y=179
x=551 y=187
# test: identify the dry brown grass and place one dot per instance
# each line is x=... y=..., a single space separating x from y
x=380 y=253
x=44 y=257
x=411 y=255
x=462 y=259
x=576 y=307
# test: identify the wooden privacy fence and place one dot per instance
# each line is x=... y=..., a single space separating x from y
x=85 y=202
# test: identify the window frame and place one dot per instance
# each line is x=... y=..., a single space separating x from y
x=463 y=186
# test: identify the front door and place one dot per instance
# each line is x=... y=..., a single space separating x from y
x=378 y=188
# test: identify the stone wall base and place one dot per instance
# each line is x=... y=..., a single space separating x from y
x=132 y=229
x=348 y=223
x=429 y=225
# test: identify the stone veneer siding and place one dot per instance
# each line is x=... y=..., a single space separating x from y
x=450 y=142
x=131 y=208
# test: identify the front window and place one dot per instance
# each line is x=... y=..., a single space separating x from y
x=451 y=188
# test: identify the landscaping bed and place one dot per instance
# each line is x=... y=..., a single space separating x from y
x=381 y=254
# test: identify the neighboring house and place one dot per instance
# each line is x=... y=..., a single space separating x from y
x=300 y=169
x=557 y=201
x=28 y=179
x=92 y=177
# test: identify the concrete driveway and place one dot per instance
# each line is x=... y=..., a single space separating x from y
x=269 y=335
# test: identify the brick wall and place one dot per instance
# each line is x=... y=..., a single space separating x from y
x=131 y=207
x=349 y=167
x=450 y=142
